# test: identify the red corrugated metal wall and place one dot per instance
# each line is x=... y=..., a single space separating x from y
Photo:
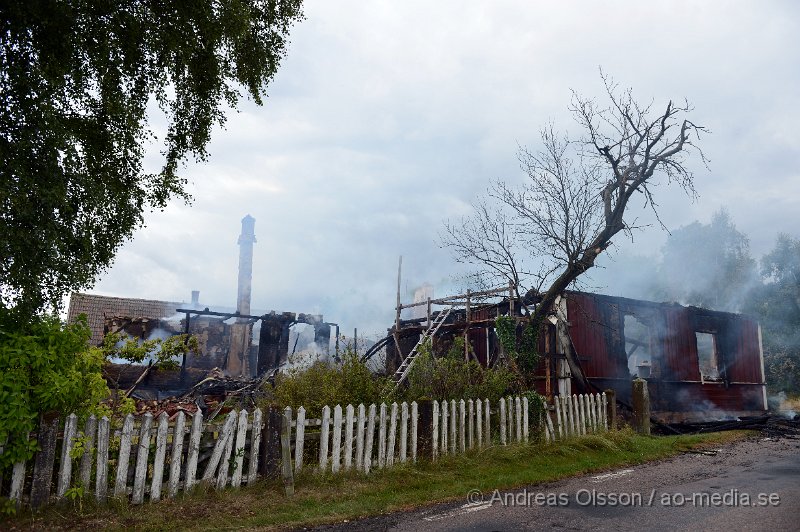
x=588 y=331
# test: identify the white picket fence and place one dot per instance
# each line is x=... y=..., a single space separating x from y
x=157 y=461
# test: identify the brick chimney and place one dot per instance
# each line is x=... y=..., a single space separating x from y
x=246 y=241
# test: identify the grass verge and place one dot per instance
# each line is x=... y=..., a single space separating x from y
x=327 y=498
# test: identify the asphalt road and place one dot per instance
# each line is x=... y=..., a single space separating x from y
x=749 y=485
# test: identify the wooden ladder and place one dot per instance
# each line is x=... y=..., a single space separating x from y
x=402 y=372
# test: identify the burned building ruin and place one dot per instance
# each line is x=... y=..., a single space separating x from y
x=700 y=364
x=237 y=344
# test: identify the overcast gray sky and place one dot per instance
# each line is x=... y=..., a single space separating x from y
x=388 y=117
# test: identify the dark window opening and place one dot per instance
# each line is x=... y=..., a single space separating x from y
x=707 y=356
x=638 y=346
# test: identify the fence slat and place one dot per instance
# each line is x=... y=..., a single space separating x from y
x=194 y=450
x=502 y=422
x=390 y=442
x=435 y=431
x=510 y=414
x=348 y=437
x=219 y=447
x=445 y=431
x=123 y=460
x=336 y=455
x=65 y=472
x=44 y=462
x=581 y=415
x=587 y=413
x=89 y=433
x=471 y=423
x=479 y=423
x=176 y=456
x=360 y=426
x=414 y=421
x=548 y=422
x=324 y=436
x=462 y=426
x=604 y=410
x=487 y=426
x=17 y=482
x=382 y=437
x=299 y=439
x=101 y=476
x=369 y=438
x=518 y=418
x=225 y=459
x=255 y=446
x=286 y=452
x=559 y=423
x=160 y=457
x=142 y=455
x=525 y=420
x=453 y=427
x=238 y=456
x=403 y=432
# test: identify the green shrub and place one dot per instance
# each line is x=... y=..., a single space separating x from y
x=44 y=368
x=320 y=384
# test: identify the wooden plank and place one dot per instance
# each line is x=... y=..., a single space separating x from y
x=453 y=426
x=360 y=426
x=194 y=450
x=471 y=423
x=576 y=418
x=255 y=445
x=502 y=422
x=65 y=472
x=238 y=453
x=299 y=439
x=559 y=423
x=44 y=462
x=581 y=415
x=479 y=423
x=348 y=437
x=160 y=457
x=89 y=433
x=369 y=438
x=17 y=481
x=142 y=459
x=551 y=436
x=525 y=420
x=324 y=437
x=176 y=455
x=123 y=459
x=487 y=426
x=390 y=441
x=403 y=431
x=414 y=429
x=286 y=452
x=445 y=431
x=435 y=432
x=271 y=451
x=219 y=447
x=382 y=437
x=510 y=413
x=462 y=426
x=604 y=410
x=227 y=454
x=336 y=452
x=518 y=418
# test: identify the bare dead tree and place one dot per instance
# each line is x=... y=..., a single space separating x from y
x=575 y=199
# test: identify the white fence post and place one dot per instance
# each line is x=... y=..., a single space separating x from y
x=175 y=458
x=336 y=455
x=300 y=439
x=479 y=423
x=518 y=418
x=255 y=444
x=140 y=473
x=435 y=431
x=502 y=422
x=453 y=426
x=89 y=433
x=525 y=419
x=348 y=437
x=471 y=423
x=323 y=438
x=445 y=431
x=194 y=450
x=238 y=455
x=101 y=478
x=360 y=425
x=369 y=438
x=390 y=443
x=382 y=437
x=403 y=432
x=160 y=457
x=462 y=422
x=487 y=426
x=65 y=473
x=414 y=434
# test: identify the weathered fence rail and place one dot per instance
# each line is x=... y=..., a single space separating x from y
x=148 y=459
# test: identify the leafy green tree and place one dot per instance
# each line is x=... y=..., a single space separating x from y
x=77 y=82
x=708 y=265
x=776 y=303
